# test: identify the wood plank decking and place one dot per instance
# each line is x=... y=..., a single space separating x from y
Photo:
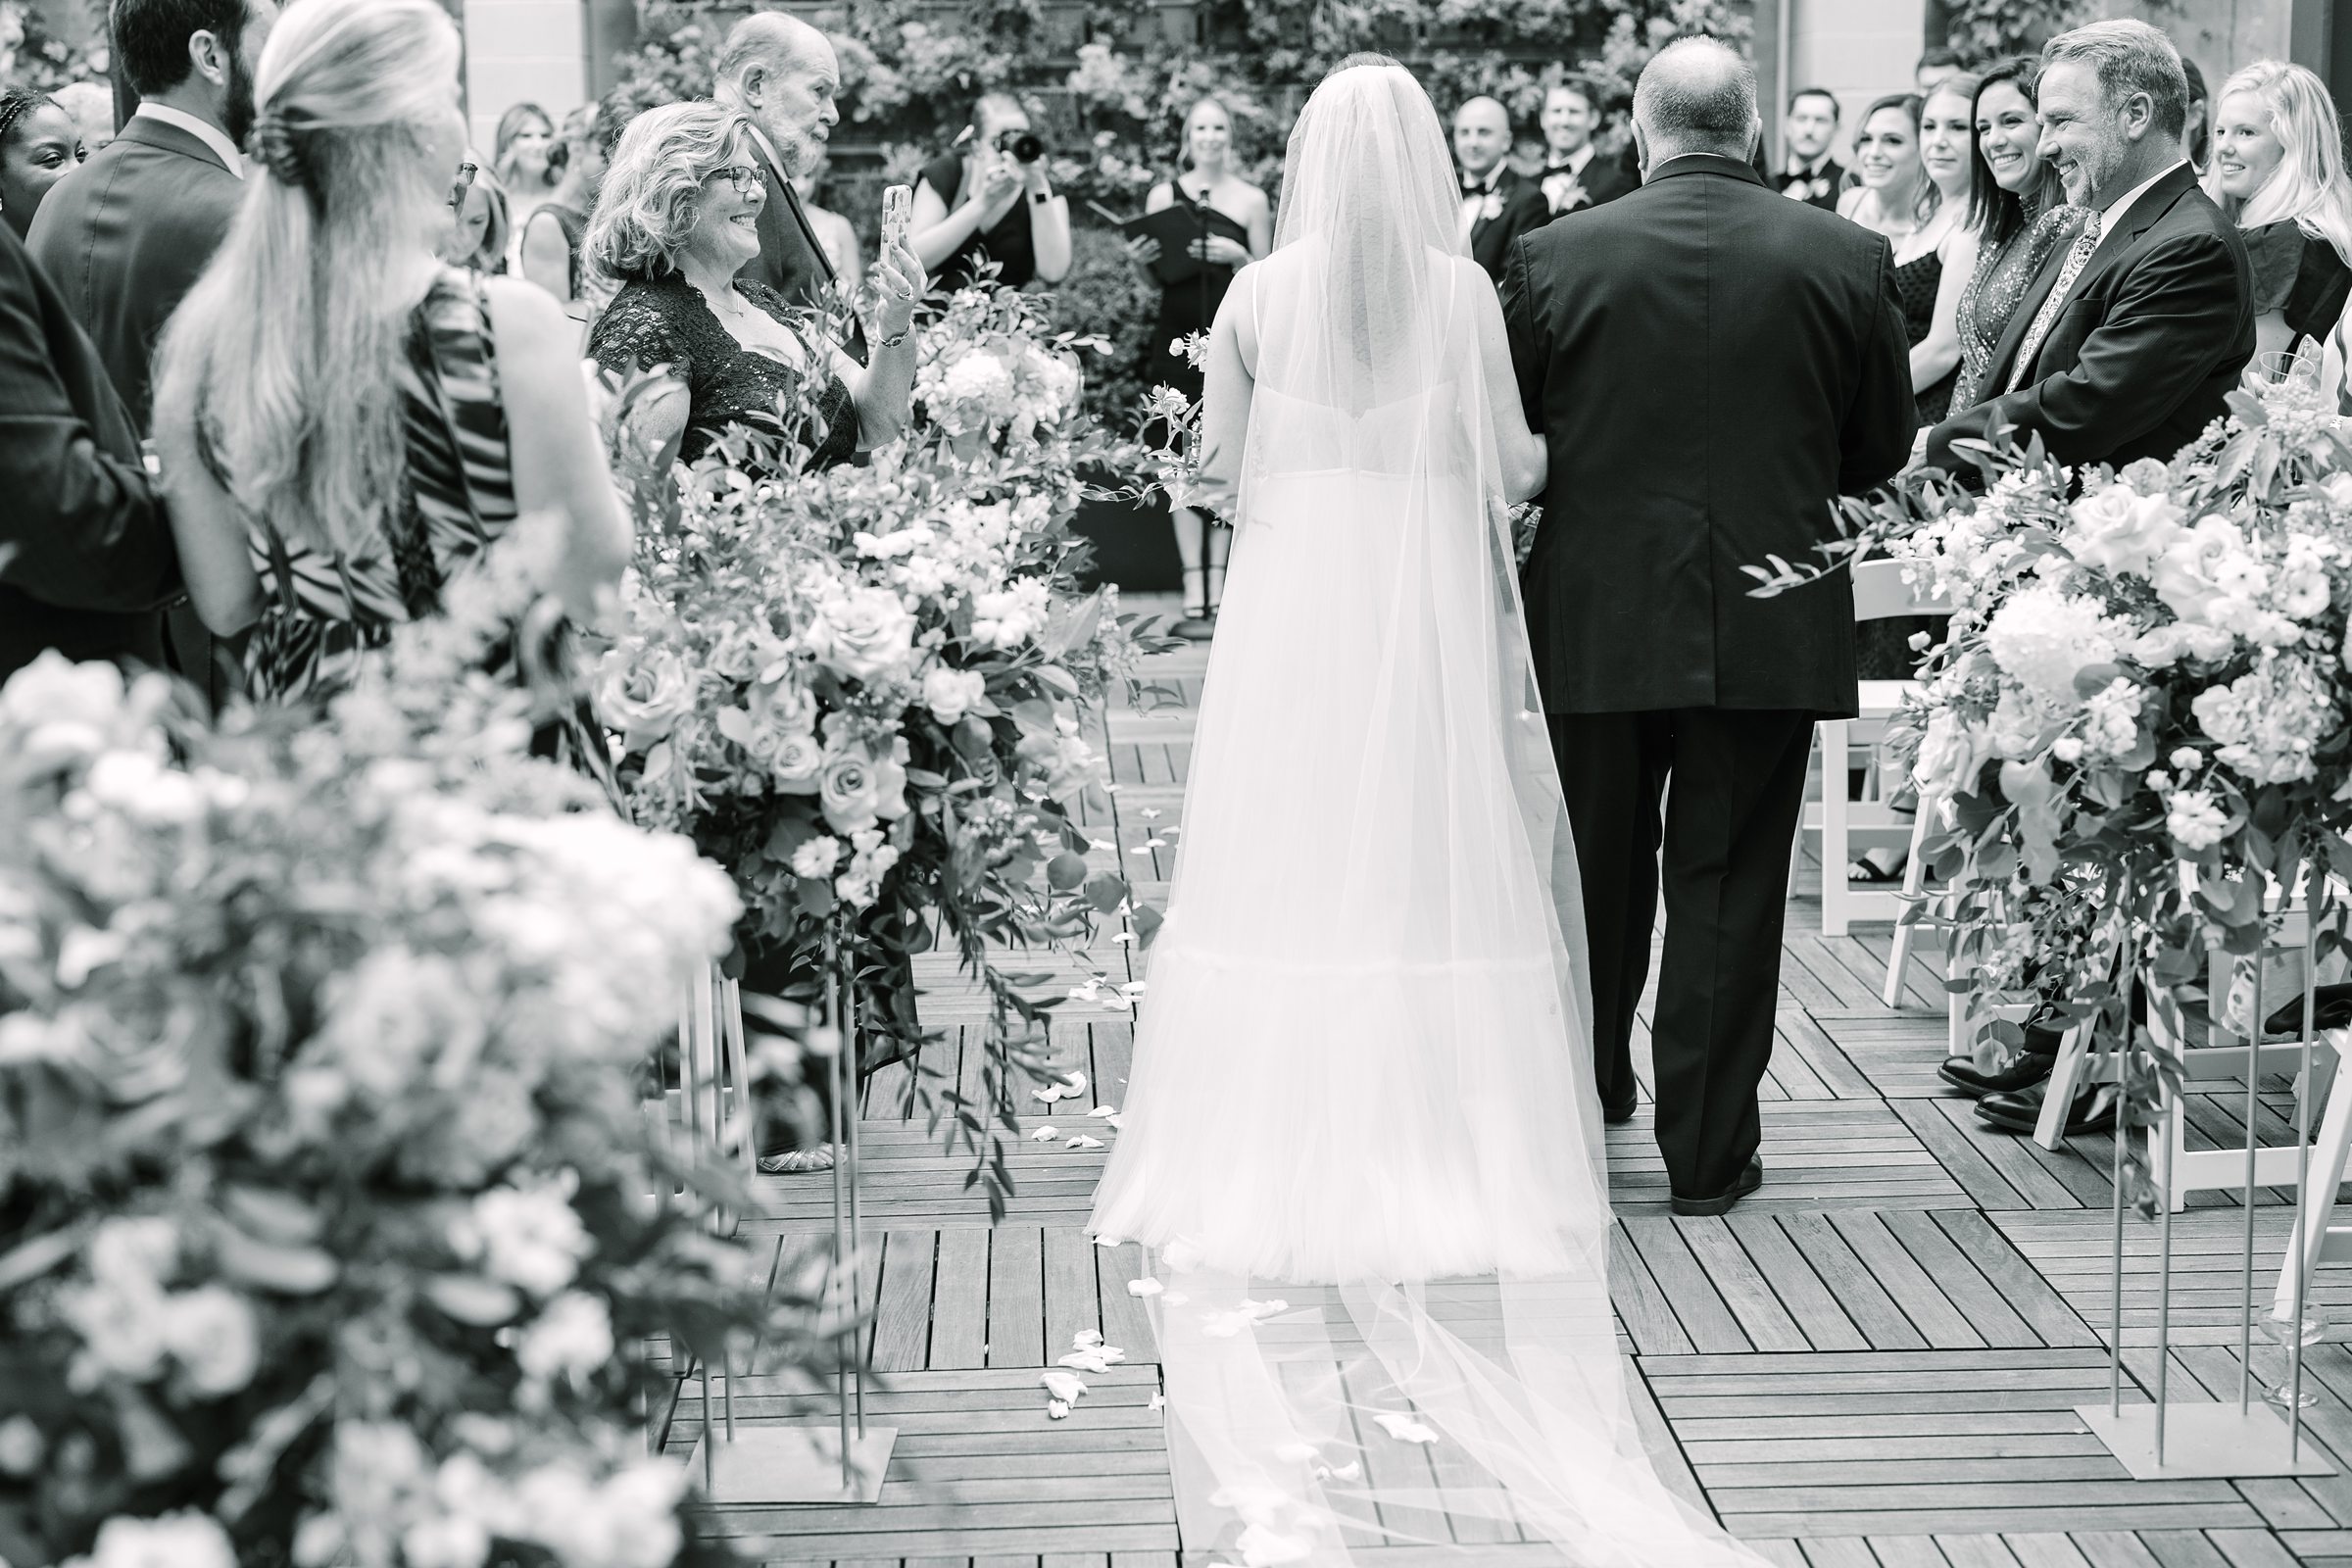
x=1871 y=1363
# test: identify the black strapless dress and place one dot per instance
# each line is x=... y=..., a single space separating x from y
x=1191 y=306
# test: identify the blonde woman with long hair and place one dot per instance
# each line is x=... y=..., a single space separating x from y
x=345 y=420
x=2277 y=171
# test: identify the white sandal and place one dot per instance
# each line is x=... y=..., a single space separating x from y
x=796 y=1161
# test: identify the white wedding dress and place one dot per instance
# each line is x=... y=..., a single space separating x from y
x=1360 y=1131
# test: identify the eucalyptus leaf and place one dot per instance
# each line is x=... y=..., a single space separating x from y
x=471 y=1298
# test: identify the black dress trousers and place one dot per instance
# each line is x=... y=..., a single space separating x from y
x=1726 y=830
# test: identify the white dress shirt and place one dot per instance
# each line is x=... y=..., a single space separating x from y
x=1475 y=199
x=2112 y=214
x=212 y=135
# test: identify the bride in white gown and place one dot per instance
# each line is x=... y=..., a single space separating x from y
x=1360 y=1132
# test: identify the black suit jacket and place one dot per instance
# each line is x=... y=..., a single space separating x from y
x=1603 y=180
x=89 y=551
x=1523 y=207
x=791 y=260
x=127 y=236
x=1711 y=363
x=2145 y=348
x=1822 y=188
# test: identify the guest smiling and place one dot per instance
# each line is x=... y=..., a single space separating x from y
x=2278 y=174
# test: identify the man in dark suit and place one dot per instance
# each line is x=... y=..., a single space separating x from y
x=85 y=552
x=1498 y=203
x=1576 y=173
x=1711 y=366
x=2144 y=325
x=124 y=236
x=1807 y=128
x=782 y=74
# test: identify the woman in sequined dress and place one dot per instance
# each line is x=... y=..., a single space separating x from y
x=2018 y=210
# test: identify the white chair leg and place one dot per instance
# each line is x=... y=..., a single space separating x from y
x=1915 y=881
x=2327 y=1173
x=1796 y=851
x=1836 y=907
x=2058 y=1095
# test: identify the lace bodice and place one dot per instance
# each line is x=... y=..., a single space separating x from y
x=657 y=322
x=2000 y=281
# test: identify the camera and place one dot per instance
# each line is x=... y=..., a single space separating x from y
x=1026 y=146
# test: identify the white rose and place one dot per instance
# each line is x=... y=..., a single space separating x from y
x=134 y=1251
x=213 y=1337
x=2187 y=760
x=858 y=787
x=643 y=692
x=864 y=634
x=572 y=1339
x=2190 y=573
x=22 y=1445
x=816 y=857
x=2067 y=749
x=175 y=1540
x=135 y=784
x=529 y=1237
x=447 y=1541
x=794 y=763
x=951 y=694
x=2121 y=531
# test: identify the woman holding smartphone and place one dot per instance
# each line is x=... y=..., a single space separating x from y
x=1237 y=227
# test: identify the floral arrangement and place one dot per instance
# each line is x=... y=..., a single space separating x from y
x=2140 y=714
x=327 y=1220
x=989 y=372
x=865 y=692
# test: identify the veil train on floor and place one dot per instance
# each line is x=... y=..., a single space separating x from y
x=1360 y=1135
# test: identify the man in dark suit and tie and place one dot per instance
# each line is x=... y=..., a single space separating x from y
x=1712 y=365
x=1498 y=203
x=1811 y=175
x=2146 y=322
x=781 y=73
x=1576 y=175
x=125 y=237
x=85 y=552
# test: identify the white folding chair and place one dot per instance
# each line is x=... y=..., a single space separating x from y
x=1879 y=594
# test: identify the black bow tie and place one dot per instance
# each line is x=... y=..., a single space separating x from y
x=1473 y=187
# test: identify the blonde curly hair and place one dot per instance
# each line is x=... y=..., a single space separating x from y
x=653 y=190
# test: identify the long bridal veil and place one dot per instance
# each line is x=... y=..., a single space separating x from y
x=1362 y=1133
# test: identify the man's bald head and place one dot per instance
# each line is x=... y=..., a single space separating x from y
x=783 y=75
x=1695 y=96
x=1482 y=136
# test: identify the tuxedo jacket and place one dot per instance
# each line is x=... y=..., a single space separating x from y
x=1711 y=364
x=1522 y=207
x=1821 y=189
x=2146 y=347
x=125 y=237
x=1603 y=180
x=88 y=550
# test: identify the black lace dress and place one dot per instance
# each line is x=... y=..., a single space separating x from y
x=667 y=322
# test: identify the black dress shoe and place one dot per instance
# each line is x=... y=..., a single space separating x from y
x=1749 y=1180
x=1963 y=1074
x=1619 y=1113
x=2094 y=1110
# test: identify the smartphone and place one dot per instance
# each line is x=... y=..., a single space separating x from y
x=898 y=208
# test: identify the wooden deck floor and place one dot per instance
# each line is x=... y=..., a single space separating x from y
x=1871 y=1363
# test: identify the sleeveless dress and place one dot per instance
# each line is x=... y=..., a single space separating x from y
x=323 y=609
x=2002 y=276
x=656 y=321
x=1009 y=244
x=1189 y=306
x=1916 y=282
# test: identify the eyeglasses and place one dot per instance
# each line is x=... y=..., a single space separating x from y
x=743 y=177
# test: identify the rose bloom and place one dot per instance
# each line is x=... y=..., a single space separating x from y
x=2122 y=531
x=858 y=787
x=214 y=1339
x=864 y=634
x=951 y=694
x=175 y=1540
x=643 y=692
x=2200 y=568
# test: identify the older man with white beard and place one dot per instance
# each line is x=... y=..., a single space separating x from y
x=782 y=74
x=2145 y=321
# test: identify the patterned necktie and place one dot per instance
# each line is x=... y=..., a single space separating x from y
x=2076 y=259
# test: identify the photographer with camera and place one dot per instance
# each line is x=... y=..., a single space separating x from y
x=992 y=203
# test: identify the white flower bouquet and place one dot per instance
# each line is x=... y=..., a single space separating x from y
x=866 y=691
x=2141 y=711
x=327 y=1219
